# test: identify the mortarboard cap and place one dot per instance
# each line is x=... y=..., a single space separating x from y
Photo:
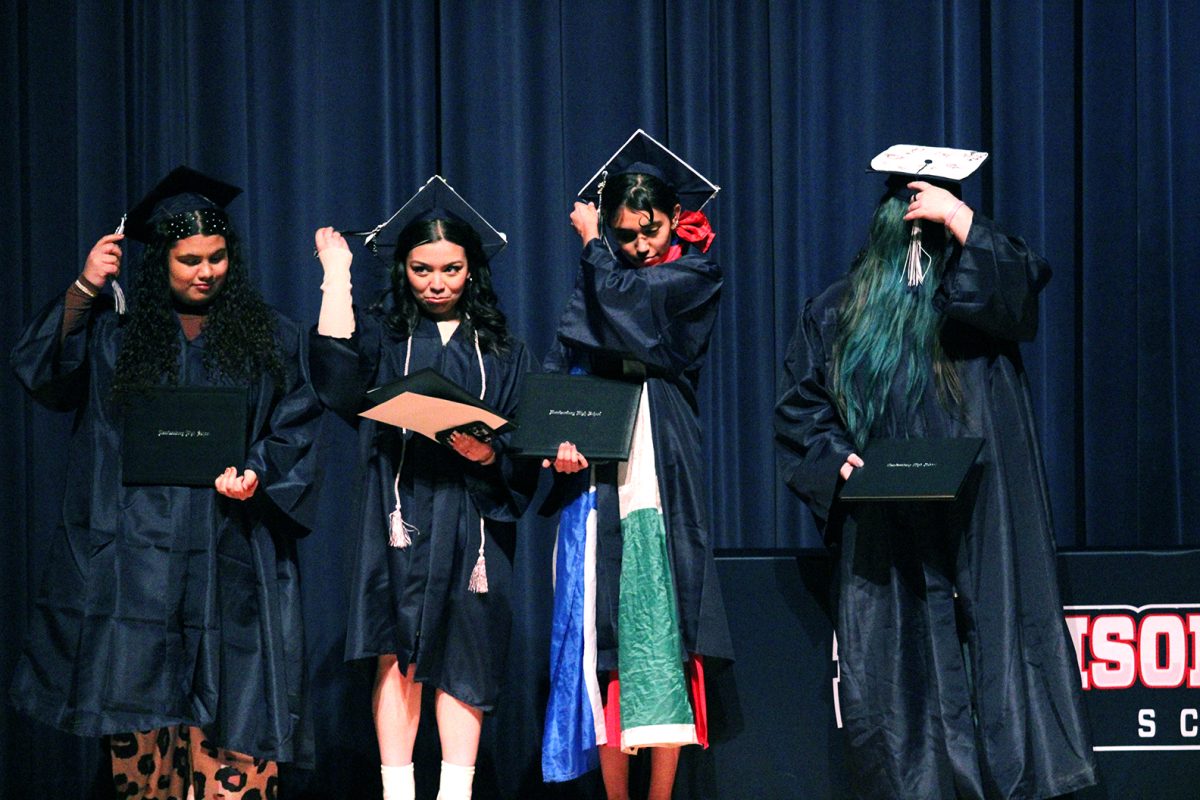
x=644 y=154
x=435 y=200
x=942 y=166
x=182 y=190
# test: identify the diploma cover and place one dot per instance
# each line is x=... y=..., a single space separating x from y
x=183 y=435
x=594 y=414
x=912 y=469
x=430 y=404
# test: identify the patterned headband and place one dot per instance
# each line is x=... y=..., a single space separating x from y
x=210 y=221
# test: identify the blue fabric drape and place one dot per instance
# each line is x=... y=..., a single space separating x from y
x=569 y=742
x=333 y=113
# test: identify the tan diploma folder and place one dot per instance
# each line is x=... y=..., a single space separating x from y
x=433 y=406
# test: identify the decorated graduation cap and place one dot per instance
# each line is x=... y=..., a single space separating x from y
x=946 y=167
x=435 y=200
x=644 y=154
x=182 y=191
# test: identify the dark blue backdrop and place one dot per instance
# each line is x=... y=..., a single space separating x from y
x=333 y=113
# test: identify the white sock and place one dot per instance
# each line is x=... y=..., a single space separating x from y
x=398 y=782
x=456 y=782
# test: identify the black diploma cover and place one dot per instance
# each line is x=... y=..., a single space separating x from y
x=912 y=469
x=594 y=414
x=183 y=435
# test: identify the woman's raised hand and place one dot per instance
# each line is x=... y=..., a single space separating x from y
x=335 y=257
x=104 y=261
x=329 y=237
x=586 y=221
x=938 y=205
x=337 y=306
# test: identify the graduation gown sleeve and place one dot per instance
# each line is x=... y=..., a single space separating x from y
x=661 y=316
x=992 y=283
x=812 y=443
x=53 y=372
x=344 y=369
x=283 y=458
x=502 y=490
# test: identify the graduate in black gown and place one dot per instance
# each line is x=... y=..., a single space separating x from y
x=643 y=308
x=433 y=553
x=957 y=678
x=169 y=615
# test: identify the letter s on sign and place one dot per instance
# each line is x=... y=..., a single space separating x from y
x=1146 y=726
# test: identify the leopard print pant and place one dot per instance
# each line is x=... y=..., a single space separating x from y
x=178 y=763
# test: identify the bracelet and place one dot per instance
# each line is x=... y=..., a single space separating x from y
x=961 y=203
x=83 y=287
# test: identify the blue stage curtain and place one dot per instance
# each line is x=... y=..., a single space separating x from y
x=333 y=113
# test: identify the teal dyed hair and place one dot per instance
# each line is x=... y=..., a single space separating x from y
x=886 y=328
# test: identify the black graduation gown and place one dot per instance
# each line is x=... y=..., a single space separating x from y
x=414 y=601
x=163 y=605
x=660 y=317
x=924 y=717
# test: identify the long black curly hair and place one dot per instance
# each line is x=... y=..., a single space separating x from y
x=239 y=328
x=478 y=306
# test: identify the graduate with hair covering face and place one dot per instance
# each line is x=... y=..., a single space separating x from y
x=957 y=676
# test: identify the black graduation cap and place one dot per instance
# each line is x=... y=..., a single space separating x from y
x=642 y=153
x=182 y=190
x=435 y=200
x=946 y=167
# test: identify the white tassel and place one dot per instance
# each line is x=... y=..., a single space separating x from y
x=478 y=583
x=914 y=268
x=400 y=533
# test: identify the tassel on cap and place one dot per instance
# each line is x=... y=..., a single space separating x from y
x=914 y=267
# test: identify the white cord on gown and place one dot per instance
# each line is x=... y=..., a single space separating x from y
x=478 y=582
x=400 y=532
